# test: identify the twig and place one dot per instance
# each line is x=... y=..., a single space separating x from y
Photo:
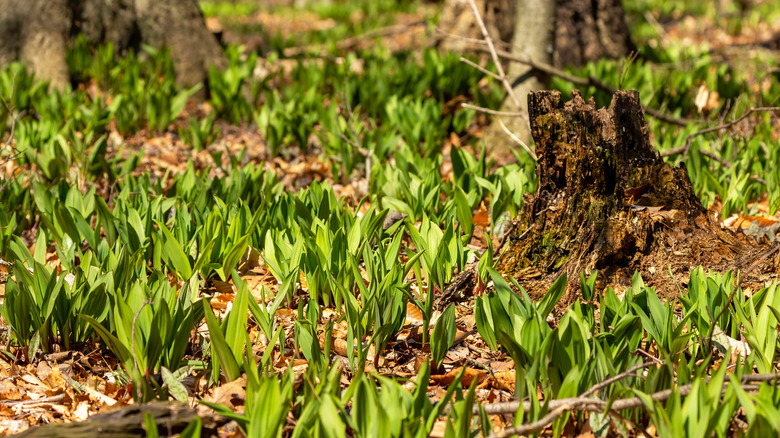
x=576 y=80
x=649 y=356
x=525 y=429
x=596 y=405
x=443 y=33
x=628 y=373
x=494 y=54
x=463 y=336
x=52 y=399
x=8 y=108
x=517 y=140
x=480 y=68
x=493 y=112
x=14 y=118
x=687 y=146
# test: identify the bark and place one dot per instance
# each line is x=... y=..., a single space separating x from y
x=606 y=201
x=586 y=31
x=558 y=32
x=534 y=37
x=179 y=25
x=35 y=32
x=126 y=422
x=457 y=18
x=38 y=32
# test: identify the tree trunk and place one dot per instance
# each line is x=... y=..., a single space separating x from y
x=457 y=18
x=606 y=201
x=534 y=37
x=37 y=32
x=586 y=31
x=34 y=32
x=557 y=32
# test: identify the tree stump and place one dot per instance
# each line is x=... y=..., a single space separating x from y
x=607 y=201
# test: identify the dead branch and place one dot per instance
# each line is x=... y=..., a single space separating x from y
x=580 y=403
x=517 y=140
x=525 y=429
x=490 y=111
x=684 y=149
x=627 y=373
x=492 y=50
x=52 y=399
x=576 y=80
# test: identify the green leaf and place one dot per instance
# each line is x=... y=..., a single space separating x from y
x=237 y=319
x=175 y=253
x=553 y=296
x=151 y=426
x=226 y=359
x=175 y=387
x=192 y=430
x=114 y=344
x=443 y=335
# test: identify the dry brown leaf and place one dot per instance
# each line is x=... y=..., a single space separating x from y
x=448 y=378
x=501 y=380
x=222 y=287
x=55 y=379
x=481 y=217
x=82 y=412
x=439 y=427
x=99 y=397
x=413 y=314
x=340 y=347
x=228 y=393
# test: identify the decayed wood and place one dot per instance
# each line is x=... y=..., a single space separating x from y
x=607 y=201
x=170 y=418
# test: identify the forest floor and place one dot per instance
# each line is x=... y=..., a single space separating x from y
x=72 y=385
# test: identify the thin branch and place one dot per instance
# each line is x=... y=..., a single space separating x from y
x=480 y=68
x=494 y=54
x=517 y=140
x=649 y=356
x=446 y=34
x=687 y=146
x=576 y=80
x=525 y=429
x=628 y=373
x=52 y=399
x=8 y=109
x=596 y=405
x=493 y=112
x=14 y=117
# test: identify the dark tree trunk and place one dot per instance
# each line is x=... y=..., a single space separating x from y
x=589 y=30
x=584 y=30
x=34 y=32
x=559 y=32
x=457 y=18
x=607 y=201
x=37 y=32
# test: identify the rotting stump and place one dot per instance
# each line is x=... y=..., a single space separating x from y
x=607 y=201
